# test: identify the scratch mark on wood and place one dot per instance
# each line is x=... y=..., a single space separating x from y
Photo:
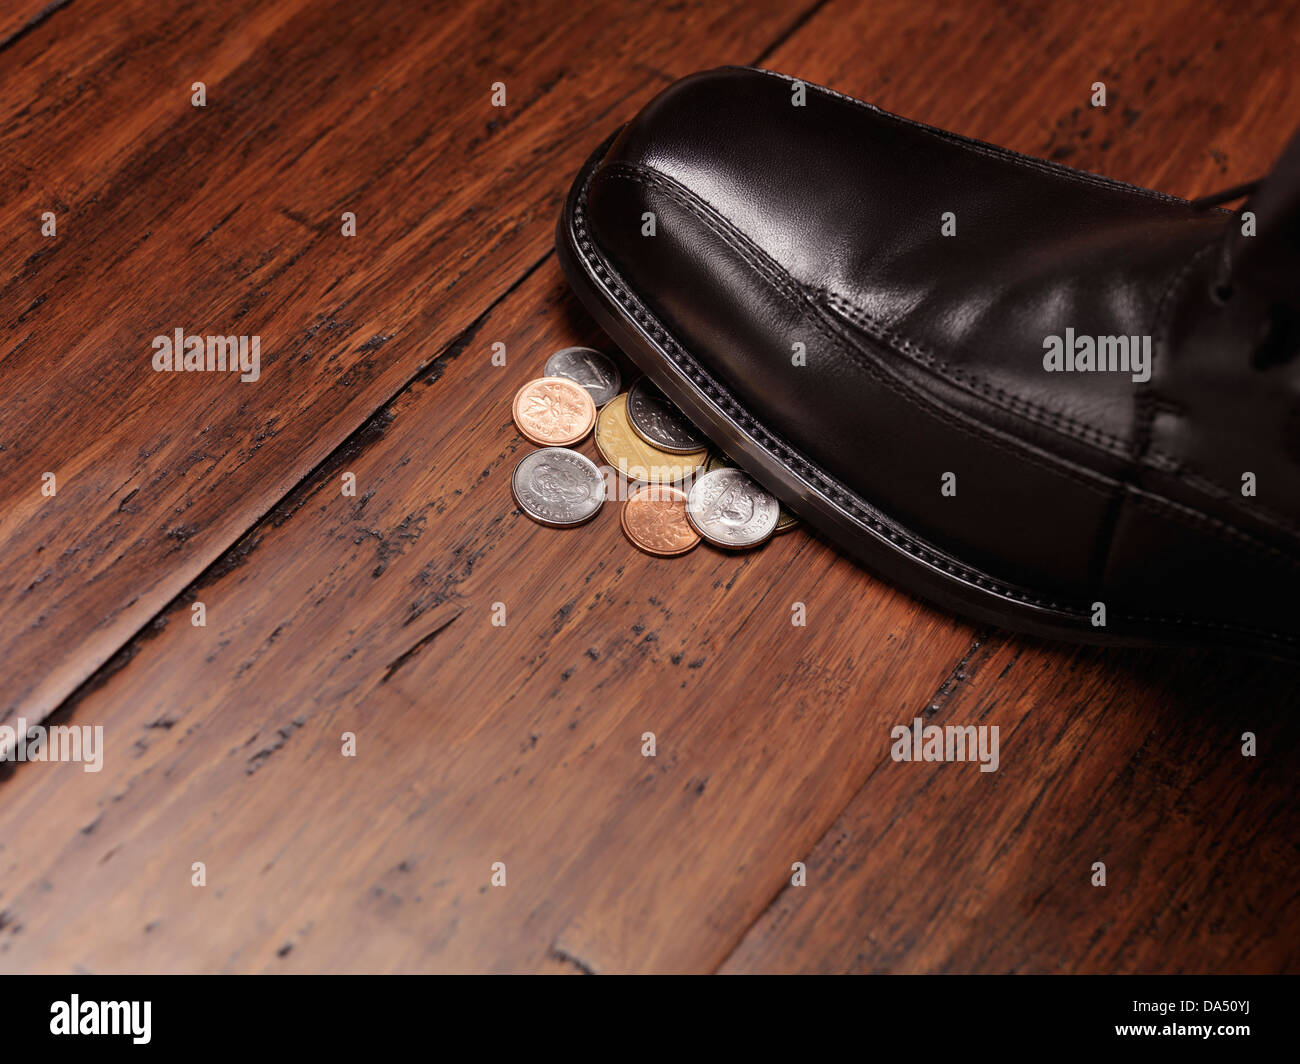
x=420 y=644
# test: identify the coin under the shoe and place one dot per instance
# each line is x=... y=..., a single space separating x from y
x=553 y=411
x=657 y=420
x=729 y=509
x=558 y=487
x=785 y=520
x=596 y=372
x=654 y=519
x=632 y=456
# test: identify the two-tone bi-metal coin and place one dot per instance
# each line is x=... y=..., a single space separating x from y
x=626 y=451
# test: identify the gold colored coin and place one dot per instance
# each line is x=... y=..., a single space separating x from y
x=632 y=456
x=654 y=519
x=785 y=520
x=553 y=411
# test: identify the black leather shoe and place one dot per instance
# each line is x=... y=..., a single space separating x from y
x=1044 y=399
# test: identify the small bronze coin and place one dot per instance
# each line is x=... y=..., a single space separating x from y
x=632 y=456
x=553 y=411
x=654 y=519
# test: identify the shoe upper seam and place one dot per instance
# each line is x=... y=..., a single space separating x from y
x=1060 y=423
x=1146 y=405
x=1052 y=419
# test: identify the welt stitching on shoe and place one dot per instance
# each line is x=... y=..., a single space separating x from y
x=770 y=271
x=828 y=487
x=1052 y=419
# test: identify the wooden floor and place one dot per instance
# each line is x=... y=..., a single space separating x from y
x=372 y=615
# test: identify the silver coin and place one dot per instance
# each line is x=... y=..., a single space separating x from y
x=729 y=509
x=785 y=520
x=588 y=367
x=558 y=487
x=657 y=421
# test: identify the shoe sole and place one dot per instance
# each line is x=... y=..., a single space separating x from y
x=850 y=522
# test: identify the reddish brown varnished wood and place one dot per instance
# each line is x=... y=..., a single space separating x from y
x=1130 y=759
x=476 y=743
x=20 y=17
x=226 y=219
x=373 y=614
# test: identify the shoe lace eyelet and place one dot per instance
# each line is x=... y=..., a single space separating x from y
x=1221 y=293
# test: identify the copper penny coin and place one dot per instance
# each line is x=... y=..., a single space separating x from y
x=553 y=411
x=654 y=519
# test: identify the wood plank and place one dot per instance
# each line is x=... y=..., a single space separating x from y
x=475 y=743
x=1128 y=758
x=226 y=220
x=21 y=17
x=1199 y=97
x=522 y=743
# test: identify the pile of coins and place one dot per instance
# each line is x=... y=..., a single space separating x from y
x=642 y=435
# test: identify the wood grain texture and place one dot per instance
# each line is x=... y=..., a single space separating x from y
x=1127 y=758
x=476 y=743
x=226 y=220
x=21 y=17
x=1199 y=97
x=372 y=614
